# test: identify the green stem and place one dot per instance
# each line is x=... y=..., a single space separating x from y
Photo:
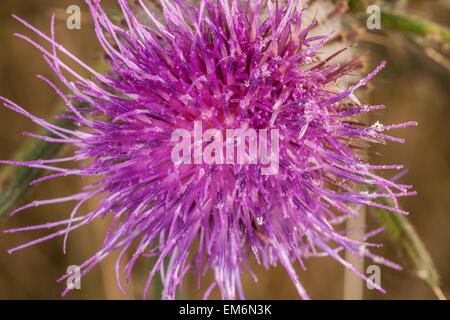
x=18 y=178
x=416 y=26
x=406 y=23
x=404 y=234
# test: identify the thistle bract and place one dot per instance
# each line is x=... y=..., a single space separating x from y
x=226 y=64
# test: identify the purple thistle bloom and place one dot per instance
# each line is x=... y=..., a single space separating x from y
x=228 y=65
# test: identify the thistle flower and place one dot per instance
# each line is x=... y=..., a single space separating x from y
x=223 y=64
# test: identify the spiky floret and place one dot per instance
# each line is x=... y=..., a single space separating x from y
x=224 y=65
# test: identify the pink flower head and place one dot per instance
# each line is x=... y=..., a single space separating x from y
x=225 y=64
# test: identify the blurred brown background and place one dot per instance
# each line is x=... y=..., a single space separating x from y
x=412 y=86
